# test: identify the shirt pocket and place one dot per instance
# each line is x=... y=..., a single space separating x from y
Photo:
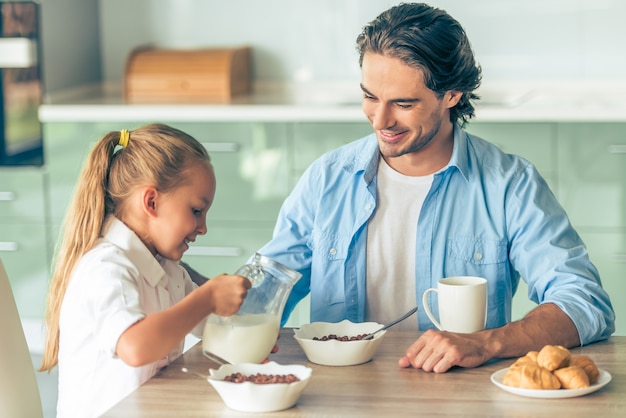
x=330 y=252
x=476 y=254
x=468 y=256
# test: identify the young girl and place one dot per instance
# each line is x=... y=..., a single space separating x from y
x=120 y=304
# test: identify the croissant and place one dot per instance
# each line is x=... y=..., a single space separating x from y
x=530 y=358
x=553 y=357
x=588 y=365
x=531 y=376
x=553 y=367
x=532 y=355
x=572 y=377
x=513 y=376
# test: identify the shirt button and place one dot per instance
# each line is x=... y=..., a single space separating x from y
x=333 y=251
x=478 y=256
x=368 y=206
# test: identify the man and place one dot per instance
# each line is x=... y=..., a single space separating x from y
x=375 y=223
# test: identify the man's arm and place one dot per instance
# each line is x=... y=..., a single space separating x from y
x=438 y=351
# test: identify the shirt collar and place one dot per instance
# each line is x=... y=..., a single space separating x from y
x=368 y=159
x=460 y=157
x=120 y=235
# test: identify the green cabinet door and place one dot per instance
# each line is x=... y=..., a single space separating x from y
x=251 y=165
x=25 y=258
x=592 y=173
x=23 y=235
x=22 y=193
x=592 y=182
x=66 y=146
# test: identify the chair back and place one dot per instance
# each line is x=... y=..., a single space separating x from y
x=19 y=393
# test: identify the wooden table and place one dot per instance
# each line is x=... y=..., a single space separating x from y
x=380 y=388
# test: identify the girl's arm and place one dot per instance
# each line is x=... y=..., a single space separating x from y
x=153 y=337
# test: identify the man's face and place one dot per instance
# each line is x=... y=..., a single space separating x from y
x=406 y=116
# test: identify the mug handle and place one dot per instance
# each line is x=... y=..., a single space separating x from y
x=427 y=308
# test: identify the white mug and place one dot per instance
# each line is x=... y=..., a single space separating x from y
x=462 y=302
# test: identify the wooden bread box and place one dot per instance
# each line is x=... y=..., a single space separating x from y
x=187 y=75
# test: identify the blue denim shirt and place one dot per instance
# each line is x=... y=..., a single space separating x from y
x=488 y=214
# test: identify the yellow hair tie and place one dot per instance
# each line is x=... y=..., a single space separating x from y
x=124 y=137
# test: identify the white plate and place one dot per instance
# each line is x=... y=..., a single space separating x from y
x=603 y=379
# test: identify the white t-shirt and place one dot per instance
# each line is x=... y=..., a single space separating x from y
x=113 y=286
x=391 y=234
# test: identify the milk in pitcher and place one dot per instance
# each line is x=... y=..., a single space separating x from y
x=242 y=339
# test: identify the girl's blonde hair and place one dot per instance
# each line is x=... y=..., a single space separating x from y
x=156 y=155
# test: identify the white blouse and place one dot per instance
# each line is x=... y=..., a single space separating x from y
x=114 y=285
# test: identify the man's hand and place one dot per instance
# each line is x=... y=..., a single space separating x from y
x=438 y=351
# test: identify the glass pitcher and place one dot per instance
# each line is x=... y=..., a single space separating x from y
x=250 y=335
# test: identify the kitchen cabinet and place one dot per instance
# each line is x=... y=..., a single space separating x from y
x=592 y=181
x=23 y=234
x=592 y=173
x=251 y=162
x=66 y=148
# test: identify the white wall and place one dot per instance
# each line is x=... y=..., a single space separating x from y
x=314 y=39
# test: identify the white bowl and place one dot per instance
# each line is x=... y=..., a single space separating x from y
x=334 y=352
x=253 y=397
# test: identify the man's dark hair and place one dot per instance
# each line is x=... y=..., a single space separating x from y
x=432 y=41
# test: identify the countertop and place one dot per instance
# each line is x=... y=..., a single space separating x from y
x=501 y=101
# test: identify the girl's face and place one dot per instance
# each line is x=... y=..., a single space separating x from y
x=179 y=216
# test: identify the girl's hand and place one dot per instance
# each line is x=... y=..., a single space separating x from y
x=227 y=293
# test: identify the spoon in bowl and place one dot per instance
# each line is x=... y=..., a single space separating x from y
x=390 y=324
